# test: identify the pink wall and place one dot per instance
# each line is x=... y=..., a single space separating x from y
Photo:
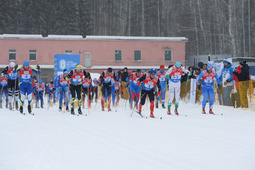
x=102 y=51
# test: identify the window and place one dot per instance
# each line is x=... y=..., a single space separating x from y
x=69 y=51
x=137 y=55
x=32 y=55
x=168 y=55
x=12 y=55
x=118 y=55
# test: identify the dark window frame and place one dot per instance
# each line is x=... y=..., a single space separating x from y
x=12 y=52
x=68 y=51
x=116 y=55
x=166 y=55
x=32 y=53
x=135 y=59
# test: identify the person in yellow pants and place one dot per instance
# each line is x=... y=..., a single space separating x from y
x=124 y=79
x=243 y=75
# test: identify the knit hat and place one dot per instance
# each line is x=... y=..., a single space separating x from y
x=200 y=64
x=242 y=62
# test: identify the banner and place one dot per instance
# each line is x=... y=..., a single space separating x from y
x=65 y=61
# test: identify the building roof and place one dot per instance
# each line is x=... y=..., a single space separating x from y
x=136 y=38
x=90 y=37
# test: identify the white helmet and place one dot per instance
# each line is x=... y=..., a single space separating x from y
x=12 y=64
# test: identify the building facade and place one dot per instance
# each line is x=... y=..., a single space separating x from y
x=96 y=52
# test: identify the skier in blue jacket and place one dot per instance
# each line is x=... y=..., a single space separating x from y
x=208 y=76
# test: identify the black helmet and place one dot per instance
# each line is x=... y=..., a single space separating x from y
x=109 y=70
x=138 y=71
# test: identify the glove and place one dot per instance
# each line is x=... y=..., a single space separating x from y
x=54 y=89
x=199 y=87
x=219 y=86
x=16 y=66
x=126 y=85
x=227 y=81
x=38 y=67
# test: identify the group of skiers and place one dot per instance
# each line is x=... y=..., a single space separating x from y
x=134 y=87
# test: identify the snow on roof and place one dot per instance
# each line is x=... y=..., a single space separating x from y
x=136 y=38
x=90 y=37
x=21 y=36
x=65 y=37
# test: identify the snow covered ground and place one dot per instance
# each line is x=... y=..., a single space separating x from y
x=114 y=140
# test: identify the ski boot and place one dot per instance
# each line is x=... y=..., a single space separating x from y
x=79 y=111
x=17 y=105
x=203 y=111
x=176 y=112
x=29 y=109
x=60 y=108
x=21 y=109
x=67 y=109
x=10 y=106
x=140 y=109
x=210 y=111
x=102 y=103
x=6 y=105
x=36 y=105
x=72 y=111
x=1 y=105
x=163 y=106
x=41 y=105
x=109 y=107
x=157 y=105
x=168 y=112
x=152 y=115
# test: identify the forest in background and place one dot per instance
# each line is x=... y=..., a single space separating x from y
x=211 y=26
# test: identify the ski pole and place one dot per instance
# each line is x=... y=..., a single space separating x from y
x=15 y=87
x=88 y=99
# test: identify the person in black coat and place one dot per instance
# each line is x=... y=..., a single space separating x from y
x=243 y=77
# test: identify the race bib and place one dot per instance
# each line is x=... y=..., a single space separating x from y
x=161 y=79
x=25 y=76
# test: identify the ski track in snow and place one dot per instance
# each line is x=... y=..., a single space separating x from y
x=114 y=140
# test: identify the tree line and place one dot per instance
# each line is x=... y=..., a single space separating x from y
x=212 y=26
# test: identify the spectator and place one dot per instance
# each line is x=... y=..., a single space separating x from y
x=243 y=76
x=198 y=71
x=124 y=79
x=235 y=97
x=205 y=67
x=226 y=78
